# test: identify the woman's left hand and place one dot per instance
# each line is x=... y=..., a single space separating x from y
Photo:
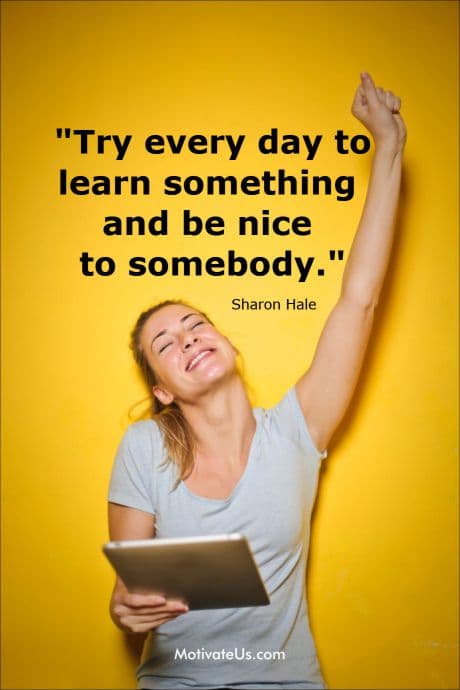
x=378 y=110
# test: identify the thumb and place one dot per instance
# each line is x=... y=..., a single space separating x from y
x=368 y=87
x=359 y=101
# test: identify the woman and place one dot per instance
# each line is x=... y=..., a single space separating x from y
x=234 y=469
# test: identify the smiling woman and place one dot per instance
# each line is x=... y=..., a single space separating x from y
x=181 y=355
x=199 y=465
x=150 y=342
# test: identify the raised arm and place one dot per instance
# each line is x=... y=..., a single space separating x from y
x=325 y=390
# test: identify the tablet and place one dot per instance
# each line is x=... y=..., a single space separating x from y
x=206 y=572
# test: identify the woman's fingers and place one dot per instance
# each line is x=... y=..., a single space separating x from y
x=369 y=98
x=140 y=618
x=151 y=618
x=370 y=92
x=393 y=102
x=388 y=99
x=139 y=613
x=371 y=95
x=359 y=102
x=142 y=600
x=170 y=606
x=381 y=94
x=139 y=625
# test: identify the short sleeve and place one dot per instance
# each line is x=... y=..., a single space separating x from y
x=289 y=421
x=132 y=479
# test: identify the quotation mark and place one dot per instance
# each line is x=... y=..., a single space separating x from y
x=339 y=254
x=66 y=132
x=332 y=253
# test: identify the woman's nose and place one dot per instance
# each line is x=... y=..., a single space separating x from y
x=188 y=340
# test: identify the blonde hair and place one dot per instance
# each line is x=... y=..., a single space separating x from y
x=177 y=432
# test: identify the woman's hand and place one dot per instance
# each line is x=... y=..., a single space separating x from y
x=378 y=110
x=139 y=613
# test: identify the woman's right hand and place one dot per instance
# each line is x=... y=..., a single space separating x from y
x=139 y=613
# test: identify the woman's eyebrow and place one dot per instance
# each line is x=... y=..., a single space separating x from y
x=184 y=318
x=157 y=336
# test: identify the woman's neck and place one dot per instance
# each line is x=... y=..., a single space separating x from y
x=223 y=425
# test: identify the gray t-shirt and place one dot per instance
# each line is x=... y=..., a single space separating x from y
x=269 y=646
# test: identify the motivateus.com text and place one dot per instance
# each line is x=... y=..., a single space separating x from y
x=229 y=655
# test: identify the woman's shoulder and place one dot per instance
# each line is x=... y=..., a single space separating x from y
x=285 y=420
x=143 y=435
x=284 y=406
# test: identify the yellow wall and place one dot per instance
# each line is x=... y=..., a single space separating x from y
x=383 y=566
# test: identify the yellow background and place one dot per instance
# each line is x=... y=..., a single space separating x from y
x=382 y=575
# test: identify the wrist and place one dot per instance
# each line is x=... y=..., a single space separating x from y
x=390 y=142
x=389 y=151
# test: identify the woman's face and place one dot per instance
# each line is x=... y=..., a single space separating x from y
x=188 y=355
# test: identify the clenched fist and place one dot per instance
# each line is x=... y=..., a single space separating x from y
x=378 y=110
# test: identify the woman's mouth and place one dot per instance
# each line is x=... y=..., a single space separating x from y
x=196 y=359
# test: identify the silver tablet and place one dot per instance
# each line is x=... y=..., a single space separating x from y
x=206 y=572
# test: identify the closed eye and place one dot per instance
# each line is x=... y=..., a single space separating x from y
x=166 y=345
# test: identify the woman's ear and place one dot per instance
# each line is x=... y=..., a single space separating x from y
x=162 y=395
